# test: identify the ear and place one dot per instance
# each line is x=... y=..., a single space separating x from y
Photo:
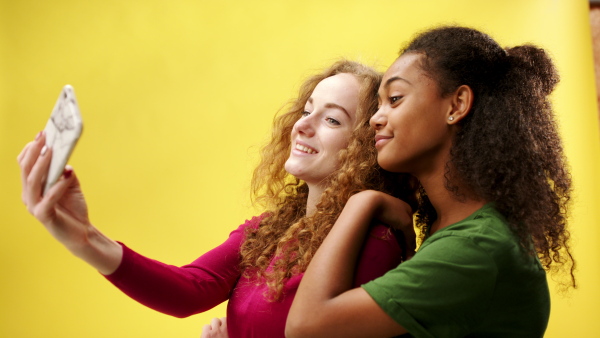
x=462 y=101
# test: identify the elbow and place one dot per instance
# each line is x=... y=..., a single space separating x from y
x=291 y=326
x=296 y=327
x=180 y=313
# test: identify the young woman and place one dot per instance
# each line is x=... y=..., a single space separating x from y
x=320 y=154
x=472 y=121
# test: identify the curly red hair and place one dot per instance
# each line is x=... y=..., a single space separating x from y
x=286 y=232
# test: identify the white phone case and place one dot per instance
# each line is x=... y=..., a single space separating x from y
x=62 y=132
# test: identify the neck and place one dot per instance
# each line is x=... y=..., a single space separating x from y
x=314 y=195
x=449 y=207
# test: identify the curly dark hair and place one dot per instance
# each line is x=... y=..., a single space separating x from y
x=507 y=149
x=286 y=239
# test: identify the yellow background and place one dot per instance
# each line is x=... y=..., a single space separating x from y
x=176 y=99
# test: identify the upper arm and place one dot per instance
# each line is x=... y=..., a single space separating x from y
x=352 y=314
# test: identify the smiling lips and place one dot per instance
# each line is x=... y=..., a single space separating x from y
x=305 y=149
x=380 y=140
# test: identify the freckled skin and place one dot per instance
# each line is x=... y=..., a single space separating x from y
x=325 y=127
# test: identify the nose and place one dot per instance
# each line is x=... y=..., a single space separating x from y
x=305 y=125
x=378 y=120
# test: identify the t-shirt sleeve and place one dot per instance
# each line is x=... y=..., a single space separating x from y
x=182 y=291
x=443 y=291
x=380 y=253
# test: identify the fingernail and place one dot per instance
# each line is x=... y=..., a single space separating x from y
x=37 y=137
x=68 y=172
x=44 y=150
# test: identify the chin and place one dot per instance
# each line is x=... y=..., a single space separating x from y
x=384 y=165
x=289 y=166
x=290 y=169
x=391 y=167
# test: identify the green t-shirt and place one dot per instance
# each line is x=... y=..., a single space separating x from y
x=470 y=279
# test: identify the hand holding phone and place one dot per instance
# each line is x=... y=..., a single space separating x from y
x=65 y=214
x=62 y=132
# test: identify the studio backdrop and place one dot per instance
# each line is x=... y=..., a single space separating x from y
x=177 y=98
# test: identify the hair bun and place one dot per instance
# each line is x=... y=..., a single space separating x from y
x=533 y=65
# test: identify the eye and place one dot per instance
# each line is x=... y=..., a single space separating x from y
x=394 y=99
x=305 y=113
x=332 y=121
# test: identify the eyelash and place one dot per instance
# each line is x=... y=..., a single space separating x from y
x=394 y=99
x=333 y=121
x=328 y=119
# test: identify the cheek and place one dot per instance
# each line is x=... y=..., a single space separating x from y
x=415 y=123
x=335 y=140
x=341 y=142
x=400 y=125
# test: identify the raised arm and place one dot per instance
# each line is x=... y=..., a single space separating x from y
x=326 y=304
x=63 y=210
x=177 y=291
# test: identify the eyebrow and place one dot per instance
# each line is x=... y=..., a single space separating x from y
x=395 y=78
x=332 y=105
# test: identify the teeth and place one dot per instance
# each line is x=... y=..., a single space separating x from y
x=305 y=149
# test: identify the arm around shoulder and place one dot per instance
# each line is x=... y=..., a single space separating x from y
x=352 y=314
x=326 y=304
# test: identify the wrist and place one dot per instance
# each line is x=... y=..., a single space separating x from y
x=99 y=251
x=370 y=201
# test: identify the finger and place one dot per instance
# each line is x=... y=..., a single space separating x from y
x=30 y=153
x=55 y=193
x=23 y=152
x=36 y=177
x=20 y=159
x=205 y=331
x=215 y=323
x=224 y=330
x=28 y=157
x=37 y=137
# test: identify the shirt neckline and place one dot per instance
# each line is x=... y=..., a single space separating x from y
x=475 y=213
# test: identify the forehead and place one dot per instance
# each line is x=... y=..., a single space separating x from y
x=406 y=67
x=337 y=84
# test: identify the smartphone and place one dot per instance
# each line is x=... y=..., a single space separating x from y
x=62 y=132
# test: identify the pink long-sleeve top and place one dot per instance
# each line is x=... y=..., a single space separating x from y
x=216 y=277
